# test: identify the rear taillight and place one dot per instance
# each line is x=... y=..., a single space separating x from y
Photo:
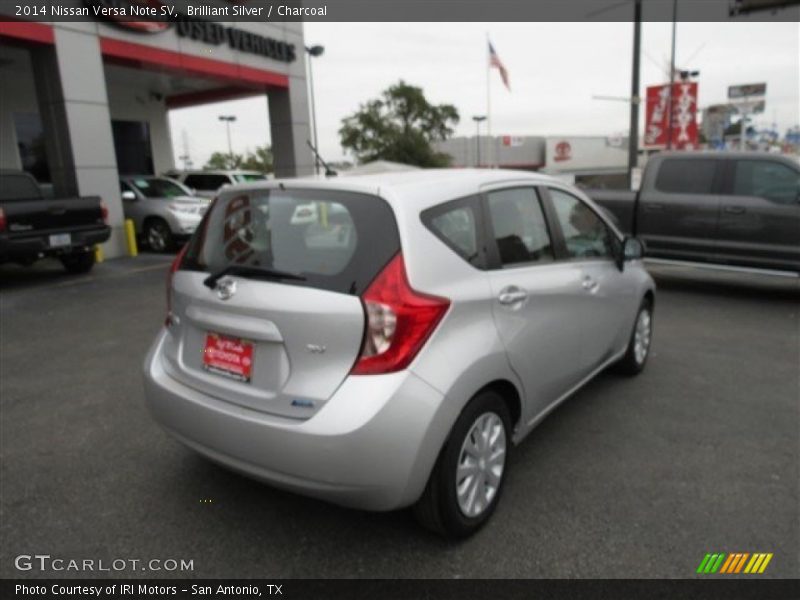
x=3 y=222
x=176 y=264
x=399 y=321
x=104 y=212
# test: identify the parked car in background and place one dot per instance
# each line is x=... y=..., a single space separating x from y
x=739 y=210
x=207 y=183
x=163 y=211
x=34 y=227
x=389 y=349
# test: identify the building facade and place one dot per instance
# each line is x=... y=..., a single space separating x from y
x=83 y=102
x=590 y=160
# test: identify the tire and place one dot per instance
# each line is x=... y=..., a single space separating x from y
x=440 y=508
x=639 y=343
x=158 y=235
x=78 y=262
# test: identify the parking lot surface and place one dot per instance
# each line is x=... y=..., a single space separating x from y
x=629 y=478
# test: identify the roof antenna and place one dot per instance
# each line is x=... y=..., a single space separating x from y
x=328 y=171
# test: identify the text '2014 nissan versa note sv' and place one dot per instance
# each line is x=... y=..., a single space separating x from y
x=389 y=351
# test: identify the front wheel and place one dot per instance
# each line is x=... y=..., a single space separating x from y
x=158 y=235
x=78 y=262
x=465 y=485
x=639 y=344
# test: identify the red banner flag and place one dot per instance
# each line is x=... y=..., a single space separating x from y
x=684 y=116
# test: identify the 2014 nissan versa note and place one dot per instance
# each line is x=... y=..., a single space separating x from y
x=389 y=351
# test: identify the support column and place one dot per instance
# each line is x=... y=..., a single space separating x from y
x=290 y=129
x=71 y=93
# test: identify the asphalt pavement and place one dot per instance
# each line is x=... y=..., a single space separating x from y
x=629 y=478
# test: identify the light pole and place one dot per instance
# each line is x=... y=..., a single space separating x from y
x=228 y=120
x=672 y=73
x=478 y=119
x=314 y=51
x=633 y=131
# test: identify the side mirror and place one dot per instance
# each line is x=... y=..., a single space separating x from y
x=632 y=249
x=128 y=196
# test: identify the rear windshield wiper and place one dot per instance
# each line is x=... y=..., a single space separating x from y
x=262 y=272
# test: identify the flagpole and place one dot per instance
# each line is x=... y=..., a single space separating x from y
x=489 y=149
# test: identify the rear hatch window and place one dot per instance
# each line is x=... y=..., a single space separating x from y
x=331 y=240
x=287 y=335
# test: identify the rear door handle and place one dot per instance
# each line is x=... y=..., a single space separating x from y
x=653 y=206
x=512 y=295
x=735 y=210
x=589 y=284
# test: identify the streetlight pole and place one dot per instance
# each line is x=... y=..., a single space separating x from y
x=633 y=134
x=228 y=119
x=478 y=119
x=672 y=72
x=314 y=51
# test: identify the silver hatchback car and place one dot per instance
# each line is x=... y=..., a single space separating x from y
x=391 y=350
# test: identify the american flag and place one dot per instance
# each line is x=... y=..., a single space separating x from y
x=494 y=61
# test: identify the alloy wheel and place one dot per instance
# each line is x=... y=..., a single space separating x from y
x=641 y=336
x=481 y=464
x=157 y=238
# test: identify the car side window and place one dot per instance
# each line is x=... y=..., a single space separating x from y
x=519 y=226
x=766 y=179
x=457 y=224
x=206 y=183
x=194 y=181
x=686 y=176
x=585 y=234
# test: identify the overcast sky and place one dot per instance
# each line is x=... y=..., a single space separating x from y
x=555 y=69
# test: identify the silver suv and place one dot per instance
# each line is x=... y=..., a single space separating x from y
x=389 y=351
x=163 y=211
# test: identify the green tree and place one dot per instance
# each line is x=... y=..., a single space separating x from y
x=224 y=161
x=260 y=160
x=399 y=126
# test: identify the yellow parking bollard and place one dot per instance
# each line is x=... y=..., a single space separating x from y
x=323 y=210
x=98 y=253
x=130 y=234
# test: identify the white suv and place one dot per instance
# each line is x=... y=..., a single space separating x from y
x=208 y=183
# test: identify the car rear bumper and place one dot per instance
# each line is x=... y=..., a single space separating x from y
x=371 y=446
x=32 y=245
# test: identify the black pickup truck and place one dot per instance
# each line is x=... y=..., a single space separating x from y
x=32 y=227
x=735 y=210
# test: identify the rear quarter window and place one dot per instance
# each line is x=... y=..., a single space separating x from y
x=686 y=176
x=458 y=224
x=337 y=241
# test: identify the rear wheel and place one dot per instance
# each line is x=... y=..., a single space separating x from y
x=158 y=235
x=466 y=483
x=639 y=344
x=78 y=262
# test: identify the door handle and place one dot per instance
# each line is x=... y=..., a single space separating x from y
x=654 y=206
x=589 y=284
x=512 y=295
x=734 y=210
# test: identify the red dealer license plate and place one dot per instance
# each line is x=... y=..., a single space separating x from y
x=228 y=356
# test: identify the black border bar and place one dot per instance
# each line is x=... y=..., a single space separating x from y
x=733 y=588
x=426 y=10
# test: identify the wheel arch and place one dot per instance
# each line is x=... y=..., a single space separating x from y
x=154 y=219
x=490 y=372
